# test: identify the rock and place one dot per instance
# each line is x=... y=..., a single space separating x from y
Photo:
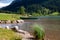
x=26 y=36
x=20 y=21
x=8 y=21
x=7 y=27
x=16 y=27
x=14 y=22
x=20 y=31
x=2 y=22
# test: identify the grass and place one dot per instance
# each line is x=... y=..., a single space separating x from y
x=4 y=16
x=8 y=35
x=38 y=31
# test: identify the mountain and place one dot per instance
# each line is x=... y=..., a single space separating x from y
x=33 y=5
x=53 y=4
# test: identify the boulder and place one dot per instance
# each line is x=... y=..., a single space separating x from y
x=7 y=27
x=2 y=22
x=14 y=22
x=16 y=27
x=20 y=21
x=8 y=21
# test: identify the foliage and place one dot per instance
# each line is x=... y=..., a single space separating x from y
x=8 y=35
x=34 y=10
x=22 y=10
x=35 y=14
x=44 y=6
x=55 y=14
x=38 y=31
x=39 y=11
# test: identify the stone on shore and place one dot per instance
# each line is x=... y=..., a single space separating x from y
x=2 y=22
x=14 y=22
x=20 y=21
x=8 y=21
x=7 y=27
x=26 y=35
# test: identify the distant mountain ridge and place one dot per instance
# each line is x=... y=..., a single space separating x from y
x=16 y=4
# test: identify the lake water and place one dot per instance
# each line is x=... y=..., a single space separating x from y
x=51 y=24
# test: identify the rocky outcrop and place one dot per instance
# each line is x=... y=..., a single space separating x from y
x=10 y=22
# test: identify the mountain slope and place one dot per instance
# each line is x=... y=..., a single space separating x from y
x=53 y=4
x=15 y=5
x=33 y=4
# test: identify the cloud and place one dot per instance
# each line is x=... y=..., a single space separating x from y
x=4 y=3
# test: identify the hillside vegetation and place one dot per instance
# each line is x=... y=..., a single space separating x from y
x=54 y=5
x=34 y=7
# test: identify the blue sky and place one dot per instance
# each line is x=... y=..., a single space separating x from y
x=4 y=3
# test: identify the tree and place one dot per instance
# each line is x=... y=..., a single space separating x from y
x=22 y=10
x=39 y=11
x=35 y=14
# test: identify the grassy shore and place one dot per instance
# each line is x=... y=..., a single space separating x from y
x=4 y=16
x=8 y=35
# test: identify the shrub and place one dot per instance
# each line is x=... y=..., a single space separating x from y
x=8 y=35
x=54 y=14
x=38 y=32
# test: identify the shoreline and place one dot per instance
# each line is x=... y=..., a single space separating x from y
x=11 y=21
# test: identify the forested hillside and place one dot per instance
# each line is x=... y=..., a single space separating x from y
x=35 y=6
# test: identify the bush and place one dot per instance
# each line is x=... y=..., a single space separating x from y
x=54 y=14
x=38 y=31
x=8 y=35
x=35 y=14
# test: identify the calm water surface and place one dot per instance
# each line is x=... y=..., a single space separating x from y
x=51 y=24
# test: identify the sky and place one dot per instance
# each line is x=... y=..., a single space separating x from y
x=4 y=3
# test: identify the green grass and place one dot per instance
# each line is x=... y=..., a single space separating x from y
x=39 y=32
x=8 y=35
x=4 y=16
